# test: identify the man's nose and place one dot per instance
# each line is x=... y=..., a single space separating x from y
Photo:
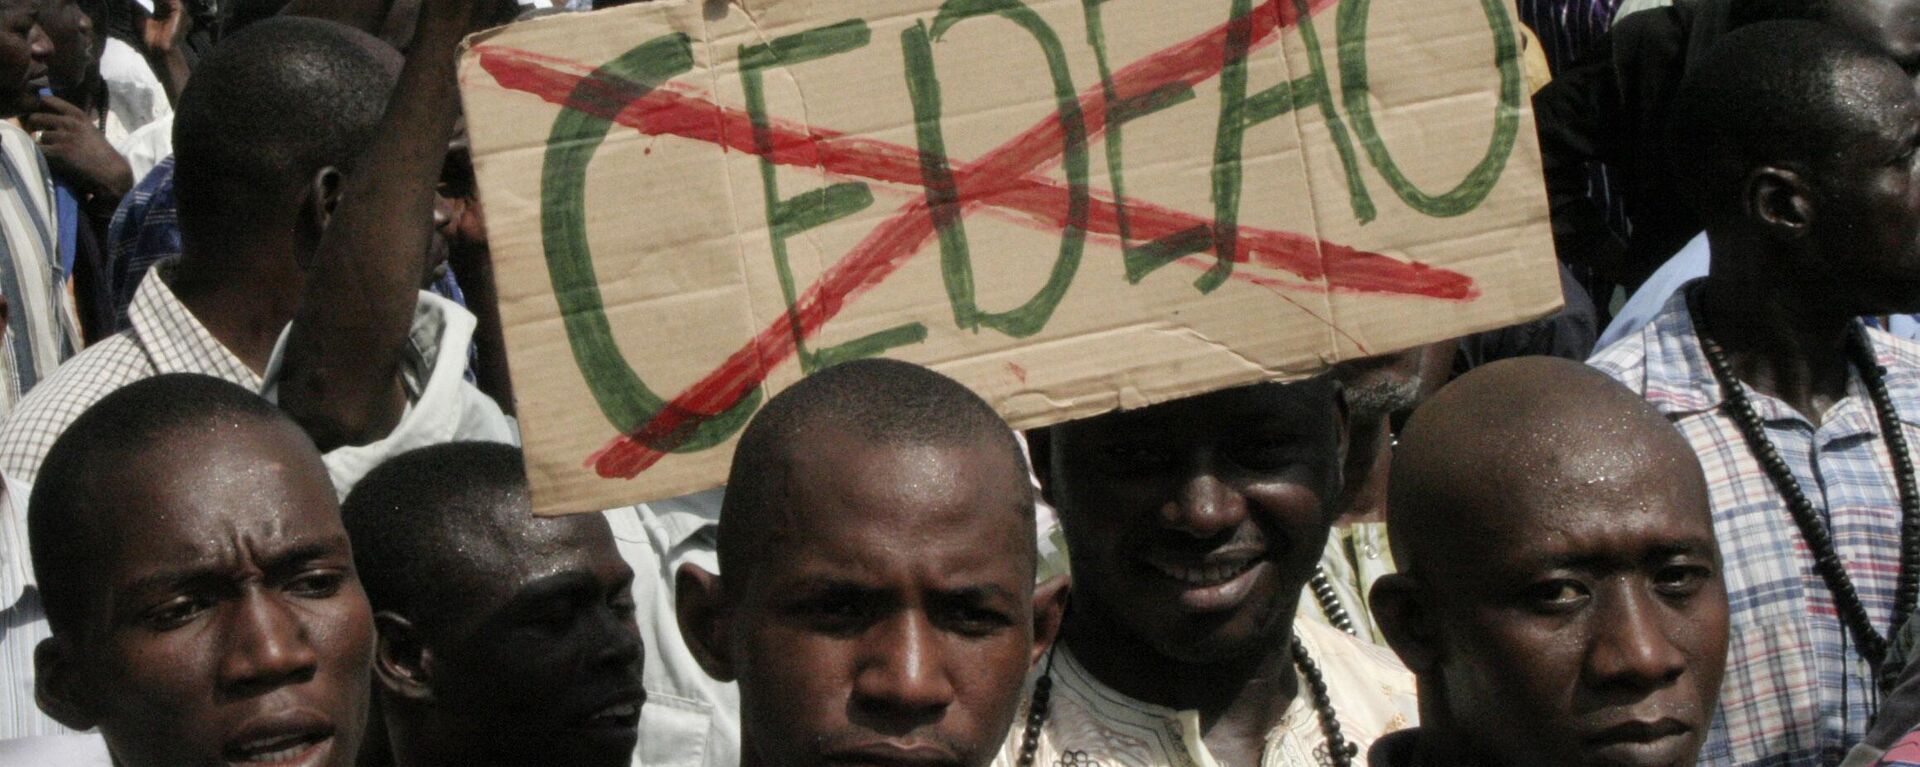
x=1632 y=645
x=901 y=678
x=39 y=45
x=267 y=646
x=1204 y=506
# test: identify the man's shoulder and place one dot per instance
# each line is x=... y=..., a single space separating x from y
x=45 y=412
x=55 y=751
x=1625 y=361
x=1349 y=654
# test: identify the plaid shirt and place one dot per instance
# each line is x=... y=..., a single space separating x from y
x=165 y=337
x=1796 y=690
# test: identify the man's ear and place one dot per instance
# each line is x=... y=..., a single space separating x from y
x=402 y=663
x=1049 y=608
x=1779 y=199
x=321 y=198
x=705 y=620
x=1040 y=454
x=59 y=686
x=1400 y=609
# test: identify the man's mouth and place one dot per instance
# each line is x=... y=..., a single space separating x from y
x=1204 y=574
x=293 y=748
x=894 y=754
x=617 y=714
x=290 y=738
x=1217 y=582
x=1643 y=743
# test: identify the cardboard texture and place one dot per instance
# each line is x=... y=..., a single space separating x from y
x=1071 y=206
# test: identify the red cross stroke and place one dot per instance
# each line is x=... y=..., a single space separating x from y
x=1005 y=178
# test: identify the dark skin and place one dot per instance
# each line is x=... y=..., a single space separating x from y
x=532 y=658
x=1894 y=25
x=24 y=52
x=891 y=616
x=67 y=125
x=1847 y=228
x=1192 y=526
x=1566 y=605
x=227 y=624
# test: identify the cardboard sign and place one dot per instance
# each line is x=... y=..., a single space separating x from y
x=1070 y=206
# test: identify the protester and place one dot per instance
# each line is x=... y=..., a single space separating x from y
x=1798 y=141
x=1192 y=526
x=1559 y=593
x=39 y=316
x=284 y=120
x=1612 y=107
x=504 y=638
x=875 y=598
x=199 y=584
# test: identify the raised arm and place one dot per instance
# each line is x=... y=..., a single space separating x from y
x=340 y=378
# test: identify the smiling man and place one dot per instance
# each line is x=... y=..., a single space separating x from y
x=1191 y=526
x=199 y=584
x=505 y=638
x=1559 y=593
x=876 y=600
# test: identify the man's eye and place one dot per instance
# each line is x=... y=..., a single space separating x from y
x=175 y=613
x=1264 y=455
x=975 y=621
x=834 y=615
x=1681 y=580
x=317 y=585
x=1136 y=457
x=1557 y=596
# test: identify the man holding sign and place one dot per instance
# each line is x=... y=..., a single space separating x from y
x=1192 y=526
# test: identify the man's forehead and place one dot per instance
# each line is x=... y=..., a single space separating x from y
x=1304 y=403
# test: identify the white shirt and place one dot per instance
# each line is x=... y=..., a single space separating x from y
x=23 y=622
x=690 y=719
x=442 y=406
x=135 y=97
x=55 y=751
x=1090 y=725
x=148 y=146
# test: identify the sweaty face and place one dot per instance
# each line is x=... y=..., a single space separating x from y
x=24 y=50
x=1894 y=25
x=890 y=619
x=1869 y=205
x=1585 y=623
x=547 y=669
x=231 y=628
x=1193 y=524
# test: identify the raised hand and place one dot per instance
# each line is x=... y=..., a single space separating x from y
x=76 y=150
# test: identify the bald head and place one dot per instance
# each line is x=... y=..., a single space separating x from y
x=874 y=403
x=1559 y=576
x=1534 y=434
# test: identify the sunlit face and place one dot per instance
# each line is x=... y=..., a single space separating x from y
x=1585 y=625
x=1868 y=197
x=890 y=621
x=229 y=627
x=1192 y=525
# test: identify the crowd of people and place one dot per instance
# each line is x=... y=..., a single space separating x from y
x=261 y=500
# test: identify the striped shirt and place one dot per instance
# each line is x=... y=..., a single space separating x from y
x=1796 y=691
x=41 y=330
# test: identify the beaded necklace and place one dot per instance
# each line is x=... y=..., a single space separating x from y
x=1338 y=747
x=1330 y=606
x=1826 y=558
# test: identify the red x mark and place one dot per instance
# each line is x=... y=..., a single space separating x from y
x=1003 y=178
